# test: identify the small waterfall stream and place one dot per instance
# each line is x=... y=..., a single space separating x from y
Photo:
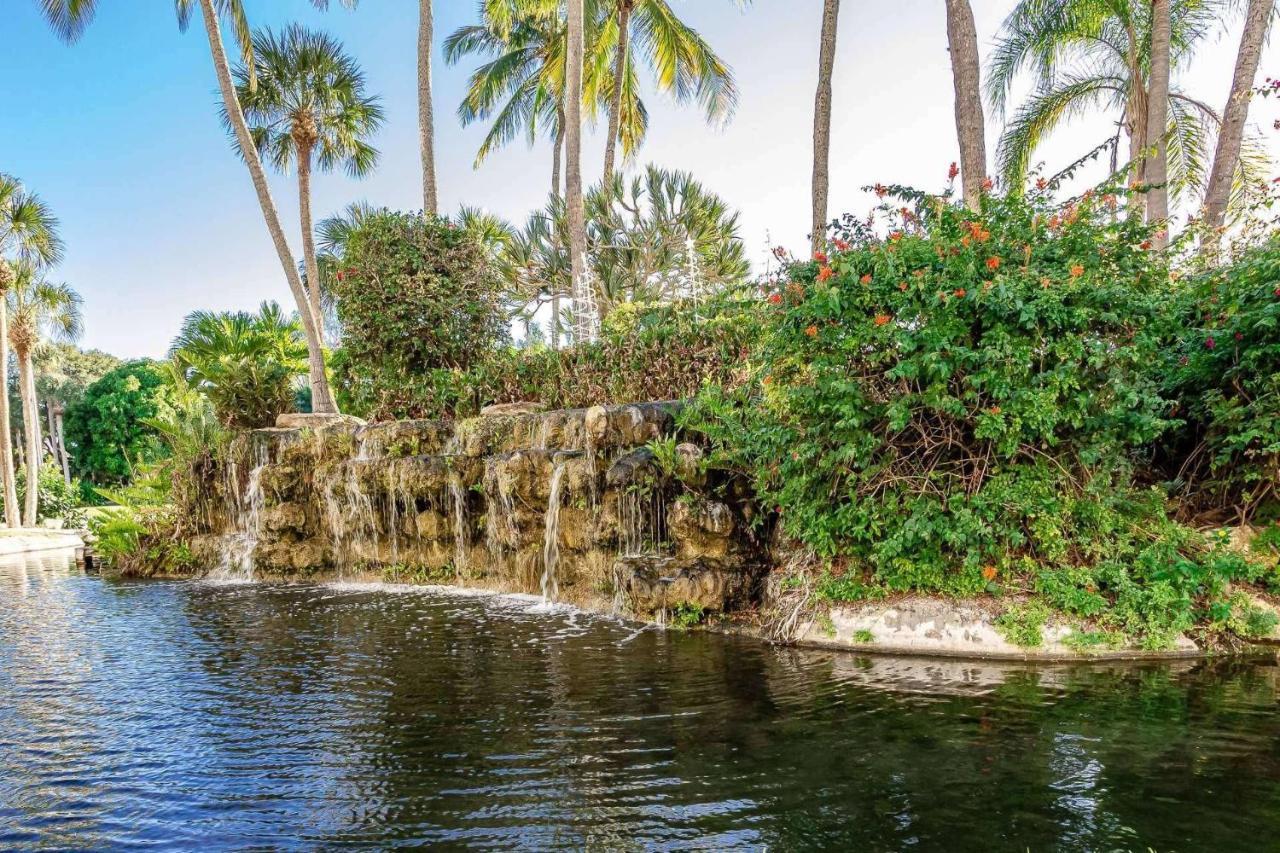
x=461 y=543
x=246 y=519
x=551 y=535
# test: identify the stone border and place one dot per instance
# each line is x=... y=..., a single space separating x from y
x=27 y=540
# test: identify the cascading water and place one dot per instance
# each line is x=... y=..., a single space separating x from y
x=643 y=523
x=246 y=520
x=551 y=535
x=458 y=502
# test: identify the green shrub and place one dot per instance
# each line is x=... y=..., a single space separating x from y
x=57 y=499
x=420 y=302
x=1224 y=370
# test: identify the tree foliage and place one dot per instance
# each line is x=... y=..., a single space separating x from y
x=106 y=430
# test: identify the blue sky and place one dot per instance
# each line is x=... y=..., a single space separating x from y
x=120 y=134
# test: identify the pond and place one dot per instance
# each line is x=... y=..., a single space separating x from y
x=176 y=715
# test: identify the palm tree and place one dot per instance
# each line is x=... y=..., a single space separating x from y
x=1231 y=136
x=40 y=309
x=426 y=112
x=822 y=123
x=69 y=18
x=1093 y=55
x=28 y=236
x=305 y=105
x=683 y=63
x=245 y=363
x=962 y=37
x=574 y=57
x=1156 y=162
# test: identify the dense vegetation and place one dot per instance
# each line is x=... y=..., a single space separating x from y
x=106 y=429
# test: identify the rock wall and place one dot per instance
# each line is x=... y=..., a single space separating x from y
x=607 y=506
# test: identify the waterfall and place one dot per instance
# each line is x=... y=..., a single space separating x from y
x=458 y=500
x=246 y=521
x=642 y=518
x=551 y=536
x=500 y=523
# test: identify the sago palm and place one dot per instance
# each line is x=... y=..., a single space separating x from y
x=28 y=236
x=40 y=310
x=246 y=363
x=306 y=108
x=1089 y=56
x=69 y=19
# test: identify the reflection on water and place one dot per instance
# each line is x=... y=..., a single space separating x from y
x=177 y=715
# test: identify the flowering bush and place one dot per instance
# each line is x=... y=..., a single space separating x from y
x=956 y=407
x=1225 y=372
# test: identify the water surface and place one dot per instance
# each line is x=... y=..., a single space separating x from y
x=178 y=715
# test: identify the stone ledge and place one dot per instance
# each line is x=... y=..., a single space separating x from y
x=917 y=625
x=26 y=540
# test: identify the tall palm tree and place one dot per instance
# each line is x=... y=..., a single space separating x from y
x=822 y=123
x=1231 y=136
x=574 y=58
x=305 y=105
x=40 y=310
x=1156 y=162
x=1095 y=55
x=28 y=236
x=962 y=37
x=69 y=19
x=683 y=63
x=426 y=110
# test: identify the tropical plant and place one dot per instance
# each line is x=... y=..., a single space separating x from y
x=305 y=105
x=58 y=499
x=962 y=38
x=1155 y=164
x=39 y=310
x=28 y=235
x=1095 y=55
x=107 y=430
x=245 y=363
x=69 y=19
x=63 y=373
x=659 y=236
x=822 y=124
x=684 y=65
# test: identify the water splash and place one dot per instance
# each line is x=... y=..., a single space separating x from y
x=246 y=520
x=551 y=535
x=642 y=518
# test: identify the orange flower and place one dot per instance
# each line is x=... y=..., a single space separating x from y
x=881 y=191
x=866 y=278
x=775 y=298
x=842 y=245
x=812 y=331
x=995 y=410
x=993 y=263
x=1144 y=245
x=903 y=287
x=1044 y=282
x=984 y=235
x=960 y=293
x=824 y=273
x=820 y=257
x=883 y=319
x=989 y=572
x=964 y=241
x=987 y=184
x=952 y=172
x=1076 y=270
x=1041 y=183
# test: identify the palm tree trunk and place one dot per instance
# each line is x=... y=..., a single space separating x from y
x=12 y=514
x=309 y=259
x=573 y=141
x=31 y=426
x=426 y=114
x=1231 y=134
x=61 y=442
x=322 y=401
x=1157 y=165
x=619 y=75
x=962 y=37
x=556 y=159
x=822 y=124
